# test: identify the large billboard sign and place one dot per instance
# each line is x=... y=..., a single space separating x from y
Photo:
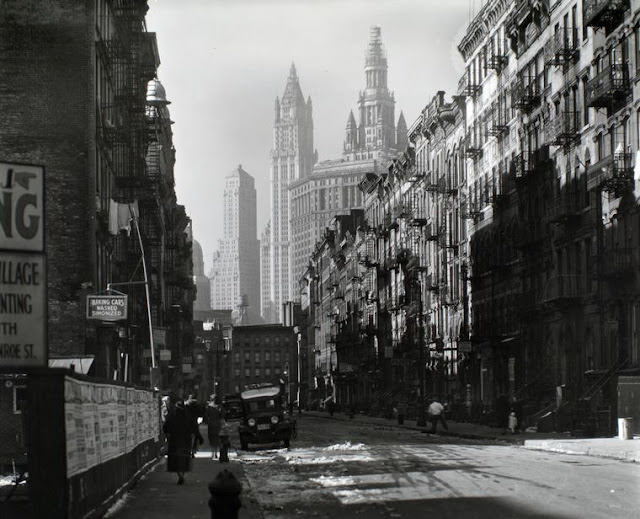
x=23 y=305
x=23 y=280
x=21 y=207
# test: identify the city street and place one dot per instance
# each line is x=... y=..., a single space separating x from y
x=347 y=469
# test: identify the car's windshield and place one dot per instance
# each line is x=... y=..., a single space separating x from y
x=261 y=405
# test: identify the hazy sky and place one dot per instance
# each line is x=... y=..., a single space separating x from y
x=223 y=62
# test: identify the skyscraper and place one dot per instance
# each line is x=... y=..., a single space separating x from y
x=202 y=304
x=292 y=159
x=236 y=267
x=370 y=143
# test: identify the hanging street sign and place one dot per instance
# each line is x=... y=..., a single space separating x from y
x=107 y=308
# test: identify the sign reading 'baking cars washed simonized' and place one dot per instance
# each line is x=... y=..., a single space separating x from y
x=107 y=308
x=23 y=296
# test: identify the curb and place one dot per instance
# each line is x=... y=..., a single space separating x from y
x=424 y=430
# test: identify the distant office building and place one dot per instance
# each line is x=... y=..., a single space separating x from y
x=202 y=304
x=263 y=353
x=267 y=306
x=292 y=159
x=235 y=270
x=332 y=188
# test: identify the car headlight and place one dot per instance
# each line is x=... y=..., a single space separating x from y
x=251 y=422
x=274 y=420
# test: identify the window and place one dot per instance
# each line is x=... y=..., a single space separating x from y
x=247 y=372
x=267 y=356
x=19 y=398
x=247 y=356
x=256 y=357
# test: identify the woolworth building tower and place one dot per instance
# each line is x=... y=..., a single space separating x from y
x=292 y=158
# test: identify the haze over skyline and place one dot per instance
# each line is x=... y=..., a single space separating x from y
x=224 y=63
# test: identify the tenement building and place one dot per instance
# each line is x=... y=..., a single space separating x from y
x=499 y=254
x=81 y=98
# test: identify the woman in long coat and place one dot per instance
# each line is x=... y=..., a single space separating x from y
x=179 y=430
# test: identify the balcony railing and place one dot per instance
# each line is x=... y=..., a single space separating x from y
x=389 y=222
x=563 y=209
x=609 y=85
x=419 y=216
x=446 y=187
x=613 y=173
x=468 y=86
x=620 y=262
x=563 y=129
x=471 y=211
x=497 y=59
x=564 y=288
x=431 y=232
x=529 y=162
x=525 y=93
x=498 y=124
x=604 y=13
x=472 y=147
x=402 y=210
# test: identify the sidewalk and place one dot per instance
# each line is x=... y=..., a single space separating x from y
x=614 y=448
x=156 y=495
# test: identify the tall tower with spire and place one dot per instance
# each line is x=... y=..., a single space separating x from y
x=375 y=134
x=292 y=159
x=370 y=143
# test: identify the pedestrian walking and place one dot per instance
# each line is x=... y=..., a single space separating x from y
x=213 y=416
x=436 y=414
x=502 y=412
x=179 y=430
x=194 y=412
x=225 y=442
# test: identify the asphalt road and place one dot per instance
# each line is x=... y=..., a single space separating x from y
x=343 y=469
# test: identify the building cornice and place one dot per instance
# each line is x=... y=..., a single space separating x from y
x=482 y=25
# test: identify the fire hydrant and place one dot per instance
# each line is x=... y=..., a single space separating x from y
x=225 y=496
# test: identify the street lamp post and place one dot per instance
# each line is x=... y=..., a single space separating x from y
x=421 y=421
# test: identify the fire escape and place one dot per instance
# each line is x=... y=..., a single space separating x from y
x=525 y=93
x=562 y=50
x=609 y=88
x=606 y=14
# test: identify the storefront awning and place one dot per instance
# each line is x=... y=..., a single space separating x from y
x=78 y=364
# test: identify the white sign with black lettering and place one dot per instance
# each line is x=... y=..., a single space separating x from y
x=22 y=310
x=107 y=308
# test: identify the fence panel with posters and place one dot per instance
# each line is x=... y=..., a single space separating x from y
x=93 y=438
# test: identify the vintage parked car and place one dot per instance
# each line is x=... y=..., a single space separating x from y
x=232 y=405
x=265 y=417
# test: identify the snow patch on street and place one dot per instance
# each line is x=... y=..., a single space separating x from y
x=347 y=446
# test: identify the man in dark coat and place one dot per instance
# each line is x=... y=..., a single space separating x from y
x=179 y=430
